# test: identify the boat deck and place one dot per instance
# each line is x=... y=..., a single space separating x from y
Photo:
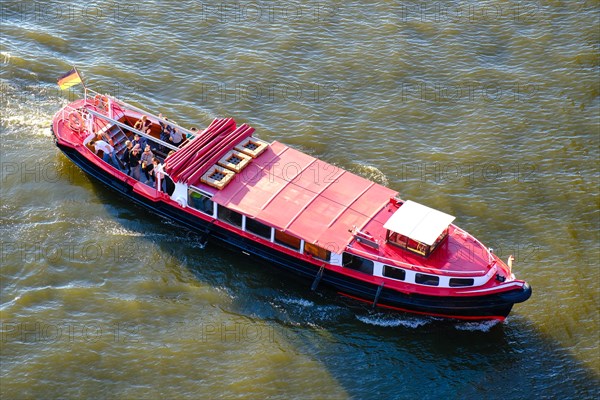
x=459 y=253
x=315 y=201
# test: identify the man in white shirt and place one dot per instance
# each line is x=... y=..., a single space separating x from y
x=159 y=174
x=109 y=152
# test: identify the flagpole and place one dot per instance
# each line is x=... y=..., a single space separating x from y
x=82 y=82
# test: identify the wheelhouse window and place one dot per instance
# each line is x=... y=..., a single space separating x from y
x=425 y=279
x=229 y=216
x=287 y=240
x=394 y=273
x=460 y=282
x=409 y=244
x=439 y=240
x=200 y=202
x=316 y=251
x=258 y=228
x=358 y=263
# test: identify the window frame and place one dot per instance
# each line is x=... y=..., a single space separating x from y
x=242 y=221
x=204 y=195
x=436 y=278
x=351 y=264
x=280 y=242
x=319 y=250
x=462 y=284
x=392 y=268
x=251 y=221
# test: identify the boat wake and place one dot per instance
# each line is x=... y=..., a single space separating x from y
x=297 y=302
x=482 y=326
x=300 y=311
x=387 y=322
x=120 y=231
x=29 y=107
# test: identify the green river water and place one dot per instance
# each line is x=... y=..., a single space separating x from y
x=489 y=111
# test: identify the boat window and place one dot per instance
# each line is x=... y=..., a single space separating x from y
x=397 y=239
x=440 y=238
x=316 y=251
x=418 y=247
x=407 y=243
x=231 y=217
x=358 y=263
x=258 y=228
x=200 y=202
x=394 y=273
x=287 y=240
x=458 y=282
x=425 y=279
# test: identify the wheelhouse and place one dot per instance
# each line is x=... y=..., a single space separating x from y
x=417 y=228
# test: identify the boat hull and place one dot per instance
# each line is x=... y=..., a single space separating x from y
x=485 y=307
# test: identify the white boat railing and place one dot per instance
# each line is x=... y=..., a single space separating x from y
x=131 y=129
x=92 y=97
x=398 y=263
x=491 y=259
x=93 y=94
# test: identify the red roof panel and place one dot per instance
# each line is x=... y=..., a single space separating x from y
x=306 y=197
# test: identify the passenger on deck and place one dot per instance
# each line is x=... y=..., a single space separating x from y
x=134 y=162
x=165 y=132
x=142 y=124
x=125 y=156
x=158 y=174
x=109 y=156
x=175 y=138
x=137 y=140
x=147 y=165
x=105 y=137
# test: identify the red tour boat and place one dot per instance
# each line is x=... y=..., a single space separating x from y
x=311 y=218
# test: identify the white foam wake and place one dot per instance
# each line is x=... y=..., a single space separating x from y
x=392 y=322
x=483 y=326
x=297 y=302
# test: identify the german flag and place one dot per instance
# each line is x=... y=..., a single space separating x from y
x=69 y=79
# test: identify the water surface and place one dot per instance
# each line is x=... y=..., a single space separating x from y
x=488 y=111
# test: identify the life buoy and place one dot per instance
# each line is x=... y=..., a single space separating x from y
x=75 y=121
x=101 y=102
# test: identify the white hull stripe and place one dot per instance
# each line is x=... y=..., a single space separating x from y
x=515 y=284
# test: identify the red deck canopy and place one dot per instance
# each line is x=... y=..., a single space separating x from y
x=305 y=197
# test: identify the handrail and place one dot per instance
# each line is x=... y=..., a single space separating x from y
x=414 y=266
x=491 y=259
x=144 y=112
x=129 y=128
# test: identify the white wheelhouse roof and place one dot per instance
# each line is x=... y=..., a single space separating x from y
x=419 y=222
